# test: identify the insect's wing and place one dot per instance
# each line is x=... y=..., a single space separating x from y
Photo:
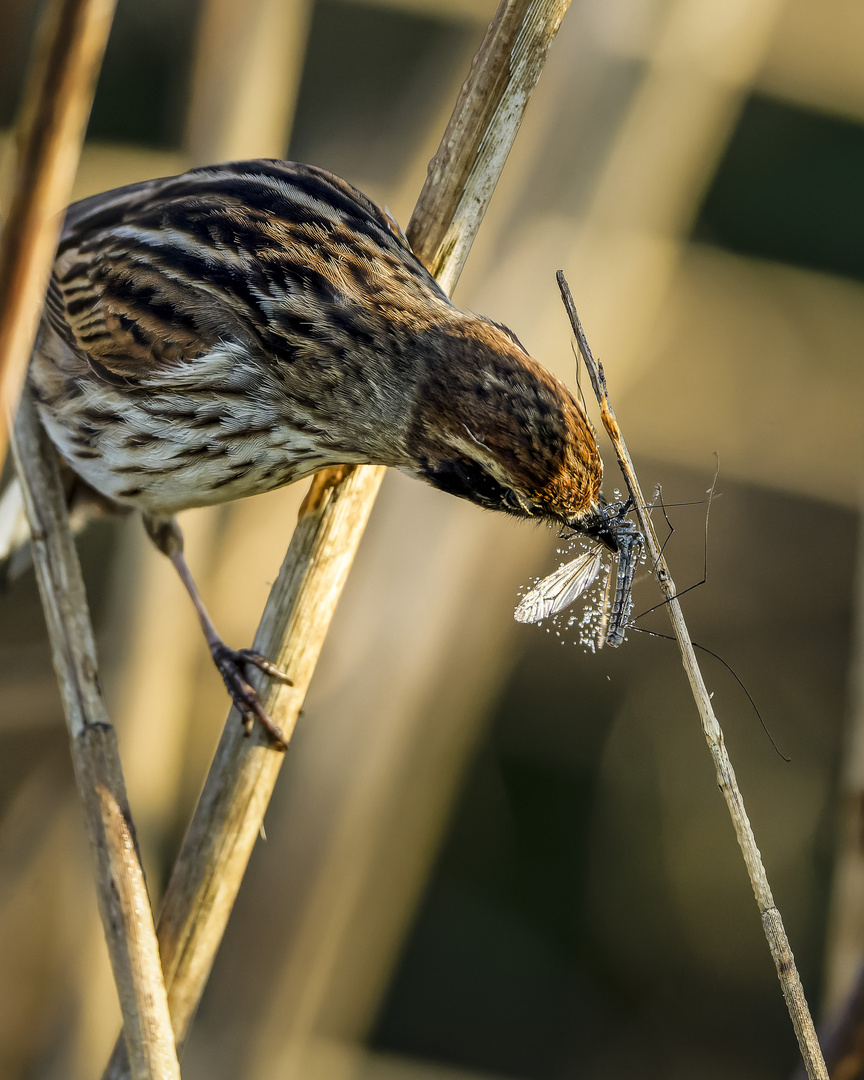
x=561 y=588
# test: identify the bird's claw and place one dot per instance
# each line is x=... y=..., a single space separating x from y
x=249 y=656
x=231 y=663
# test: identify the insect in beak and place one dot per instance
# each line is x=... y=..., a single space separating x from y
x=568 y=582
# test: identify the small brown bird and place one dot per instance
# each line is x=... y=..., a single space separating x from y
x=224 y=332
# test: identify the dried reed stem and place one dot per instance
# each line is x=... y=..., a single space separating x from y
x=121 y=891
x=486 y=118
x=54 y=115
x=772 y=924
x=228 y=818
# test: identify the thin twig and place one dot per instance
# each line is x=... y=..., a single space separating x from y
x=228 y=818
x=54 y=115
x=772 y=924
x=842 y=1036
x=120 y=887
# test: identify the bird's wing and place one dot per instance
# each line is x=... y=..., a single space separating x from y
x=153 y=275
x=117 y=295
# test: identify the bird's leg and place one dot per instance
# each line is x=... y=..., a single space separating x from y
x=166 y=535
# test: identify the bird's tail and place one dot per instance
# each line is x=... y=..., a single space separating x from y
x=15 y=554
x=82 y=502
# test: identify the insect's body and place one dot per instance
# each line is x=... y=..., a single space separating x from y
x=630 y=543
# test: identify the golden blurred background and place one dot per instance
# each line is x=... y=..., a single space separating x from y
x=492 y=854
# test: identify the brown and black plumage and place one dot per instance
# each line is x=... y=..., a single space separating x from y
x=236 y=328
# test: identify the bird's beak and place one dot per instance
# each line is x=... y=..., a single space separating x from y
x=598 y=527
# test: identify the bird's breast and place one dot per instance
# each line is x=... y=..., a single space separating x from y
x=191 y=439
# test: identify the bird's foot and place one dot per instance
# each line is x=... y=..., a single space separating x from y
x=231 y=664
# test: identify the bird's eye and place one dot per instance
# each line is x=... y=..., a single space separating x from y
x=514 y=502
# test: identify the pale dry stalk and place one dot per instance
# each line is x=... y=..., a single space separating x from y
x=54 y=116
x=121 y=891
x=772 y=923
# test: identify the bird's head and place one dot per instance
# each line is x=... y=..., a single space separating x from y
x=491 y=425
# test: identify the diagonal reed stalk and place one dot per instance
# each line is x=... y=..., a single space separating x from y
x=772 y=923
x=57 y=103
x=228 y=818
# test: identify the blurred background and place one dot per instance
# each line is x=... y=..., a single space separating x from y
x=492 y=854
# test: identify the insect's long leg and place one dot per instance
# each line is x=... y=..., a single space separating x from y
x=704 y=578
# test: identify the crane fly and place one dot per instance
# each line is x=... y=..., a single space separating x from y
x=562 y=587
